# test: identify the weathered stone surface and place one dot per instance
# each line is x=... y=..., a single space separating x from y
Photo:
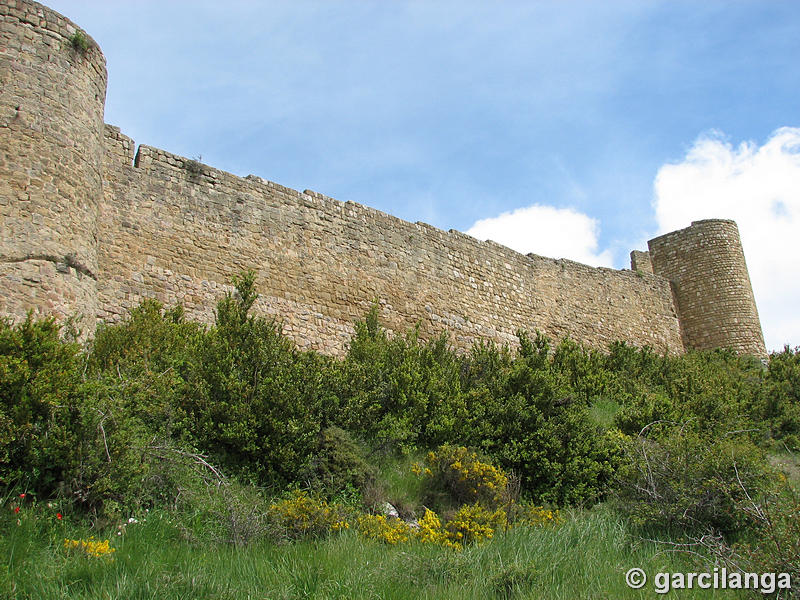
x=51 y=152
x=714 y=298
x=92 y=226
x=640 y=262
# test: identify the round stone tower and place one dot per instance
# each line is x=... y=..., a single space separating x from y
x=52 y=94
x=705 y=265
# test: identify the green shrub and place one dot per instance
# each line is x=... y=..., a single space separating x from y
x=400 y=393
x=523 y=414
x=41 y=397
x=226 y=512
x=775 y=521
x=709 y=391
x=681 y=480
x=338 y=464
x=97 y=432
x=513 y=579
x=146 y=360
x=584 y=371
x=79 y=42
x=253 y=400
x=779 y=403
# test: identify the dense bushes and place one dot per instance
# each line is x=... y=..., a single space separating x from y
x=778 y=404
x=156 y=406
x=41 y=396
x=678 y=479
x=253 y=400
x=400 y=392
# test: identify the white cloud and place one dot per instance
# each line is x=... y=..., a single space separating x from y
x=547 y=231
x=758 y=187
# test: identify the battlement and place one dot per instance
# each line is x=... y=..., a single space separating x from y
x=97 y=225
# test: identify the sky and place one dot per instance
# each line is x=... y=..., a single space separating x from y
x=567 y=128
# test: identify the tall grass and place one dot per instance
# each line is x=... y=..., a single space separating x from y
x=586 y=557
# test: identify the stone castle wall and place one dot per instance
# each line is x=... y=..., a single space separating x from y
x=175 y=230
x=113 y=226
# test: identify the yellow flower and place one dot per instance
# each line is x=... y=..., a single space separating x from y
x=91 y=546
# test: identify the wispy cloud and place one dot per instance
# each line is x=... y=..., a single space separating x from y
x=757 y=186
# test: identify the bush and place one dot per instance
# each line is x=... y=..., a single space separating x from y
x=338 y=464
x=79 y=42
x=41 y=401
x=254 y=400
x=301 y=515
x=454 y=475
x=779 y=403
x=389 y=530
x=708 y=391
x=685 y=481
x=523 y=414
x=776 y=524
x=98 y=430
x=400 y=393
x=227 y=513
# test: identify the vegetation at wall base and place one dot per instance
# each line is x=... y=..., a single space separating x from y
x=448 y=473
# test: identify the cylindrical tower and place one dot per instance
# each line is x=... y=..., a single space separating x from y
x=52 y=94
x=705 y=264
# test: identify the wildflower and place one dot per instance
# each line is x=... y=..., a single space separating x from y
x=91 y=546
x=378 y=527
x=16 y=510
x=430 y=528
x=59 y=516
x=22 y=495
x=303 y=515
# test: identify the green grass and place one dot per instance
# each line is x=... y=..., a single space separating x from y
x=603 y=410
x=400 y=486
x=586 y=557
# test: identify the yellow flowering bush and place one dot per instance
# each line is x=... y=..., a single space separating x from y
x=473 y=524
x=91 y=546
x=430 y=529
x=389 y=530
x=302 y=515
x=460 y=474
x=470 y=524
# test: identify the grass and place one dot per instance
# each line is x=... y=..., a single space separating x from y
x=400 y=486
x=586 y=557
x=603 y=410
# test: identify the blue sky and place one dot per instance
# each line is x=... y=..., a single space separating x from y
x=598 y=122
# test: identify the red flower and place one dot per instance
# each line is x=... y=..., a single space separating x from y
x=58 y=516
x=16 y=509
x=22 y=495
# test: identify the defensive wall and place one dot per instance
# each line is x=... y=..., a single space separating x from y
x=92 y=226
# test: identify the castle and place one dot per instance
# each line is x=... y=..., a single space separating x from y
x=92 y=226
